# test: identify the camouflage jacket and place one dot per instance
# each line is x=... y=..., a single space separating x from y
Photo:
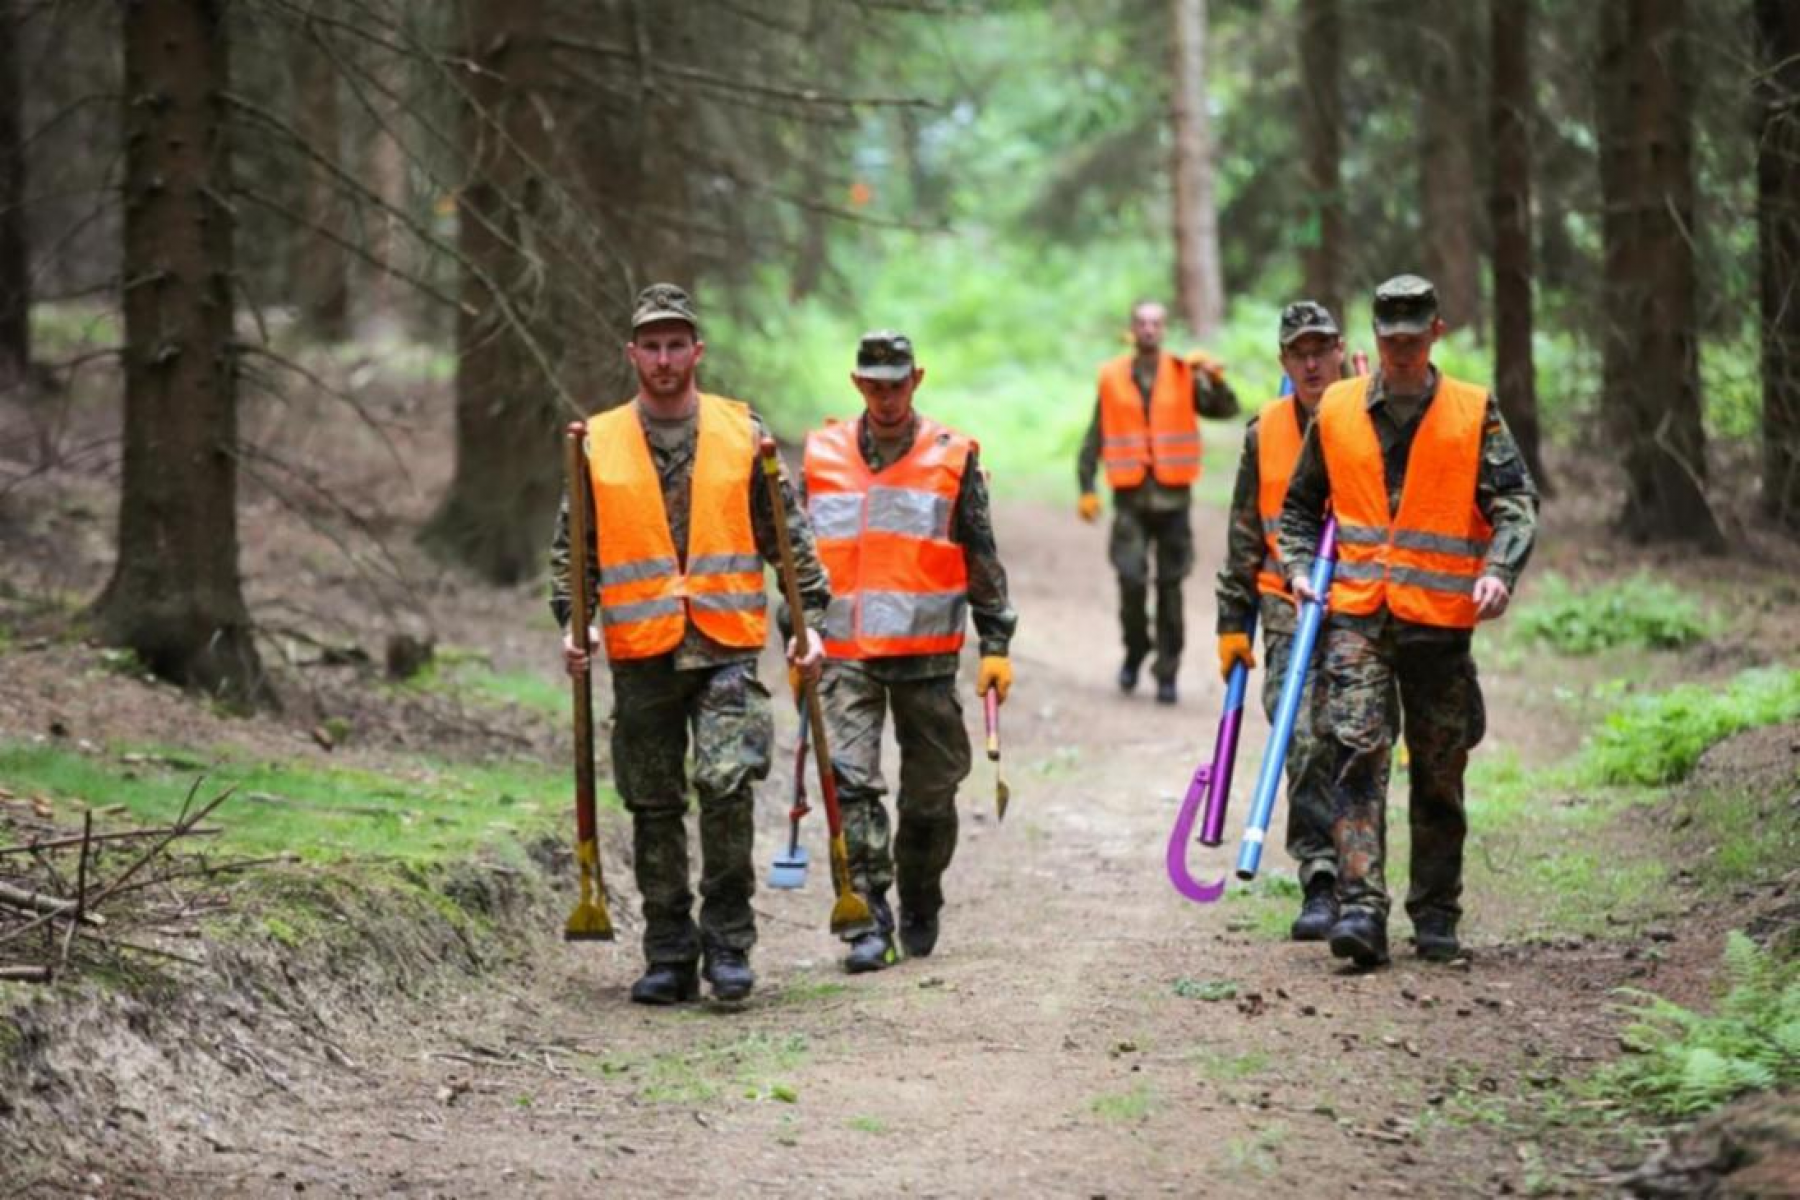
x=1504 y=492
x=1235 y=587
x=1212 y=398
x=972 y=527
x=672 y=446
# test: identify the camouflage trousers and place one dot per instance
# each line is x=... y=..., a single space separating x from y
x=1376 y=684
x=934 y=760
x=724 y=711
x=1309 y=758
x=1135 y=535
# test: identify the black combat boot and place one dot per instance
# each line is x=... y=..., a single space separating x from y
x=1318 y=912
x=1165 y=691
x=729 y=973
x=918 y=933
x=874 y=951
x=666 y=983
x=1434 y=936
x=1360 y=937
x=1128 y=675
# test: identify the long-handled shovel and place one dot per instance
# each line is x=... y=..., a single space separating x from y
x=990 y=705
x=788 y=871
x=589 y=921
x=850 y=909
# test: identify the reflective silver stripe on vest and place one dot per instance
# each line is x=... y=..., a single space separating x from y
x=836 y=515
x=1129 y=441
x=1362 y=535
x=726 y=564
x=729 y=601
x=1271 y=525
x=1272 y=565
x=1359 y=572
x=642 y=610
x=1439 y=543
x=913 y=614
x=1433 y=581
x=840 y=619
x=909 y=512
x=1193 y=438
x=636 y=571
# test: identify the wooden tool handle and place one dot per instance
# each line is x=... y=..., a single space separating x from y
x=580 y=546
x=990 y=707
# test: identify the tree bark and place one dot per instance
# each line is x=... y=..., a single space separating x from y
x=1509 y=208
x=1321 y=133
x=318 y=267
x=15 y=266
x=504 y=493
x=1449 y=131
x=1778 y=228
x=1651 y=358
x=1199 y=285
x=175 y=596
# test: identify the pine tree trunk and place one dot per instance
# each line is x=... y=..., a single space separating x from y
x=1651 y=361
x=496 y=516
x=1199 y=286
x=1321 y=126
x=1448 y=136
x=1778 y=226
x=15 y=268
x=175 y=597
x=318 y=267
x=1515 y=378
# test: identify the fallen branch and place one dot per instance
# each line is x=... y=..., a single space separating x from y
x=24 y=973
x=19 y=898
x=121 y=835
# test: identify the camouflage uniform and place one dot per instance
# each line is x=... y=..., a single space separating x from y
x=920 y=690
x=1153 y=517
x=1309 y=841
x=710 y=693
x=1368 y=658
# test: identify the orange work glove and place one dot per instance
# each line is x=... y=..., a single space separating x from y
x=795 y=681
x=1234 y=647
x=996 y=673
x=1207 y=365
x=1089 y=507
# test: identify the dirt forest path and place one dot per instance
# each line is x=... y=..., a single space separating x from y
x=1081 y=1031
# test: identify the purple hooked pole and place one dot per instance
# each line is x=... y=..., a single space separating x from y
x=1211 y=787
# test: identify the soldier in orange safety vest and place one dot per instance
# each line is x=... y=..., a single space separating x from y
x=1146 y=434
x=682 y=527
x=1436 y=518
x=900 y=508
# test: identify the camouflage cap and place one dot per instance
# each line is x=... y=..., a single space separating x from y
x=884 y=354
x=1306 y=316
x=663 y=302
x=1405 y=304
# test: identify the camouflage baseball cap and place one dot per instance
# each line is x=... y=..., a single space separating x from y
x=1405 y=304
x=1306 y=316
x=884 y=354
x=663 y=302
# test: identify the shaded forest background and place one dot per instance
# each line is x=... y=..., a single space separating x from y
x=207 y=205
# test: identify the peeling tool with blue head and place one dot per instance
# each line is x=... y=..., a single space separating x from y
x=590 y=920
x=788 y=871
x=850 y=910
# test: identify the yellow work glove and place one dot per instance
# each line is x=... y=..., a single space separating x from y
x=996 y=673
x=1207 y=365
x=1089 y=507
x=795 y=681
x=1232 y=648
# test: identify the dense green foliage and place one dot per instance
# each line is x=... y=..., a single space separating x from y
x=1639 y=612
x=1685 y=1063
x=1657 y=739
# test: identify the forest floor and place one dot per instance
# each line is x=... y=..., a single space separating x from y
x=1080 y=1031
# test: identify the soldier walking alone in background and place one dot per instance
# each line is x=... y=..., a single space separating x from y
x=900 y=508
x=1145 y=431
x=1436 y=518
x=682 y=527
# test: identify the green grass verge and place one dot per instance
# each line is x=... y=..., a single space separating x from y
x=470 y=675
x=1683 y=1063
x=423 y=811
x=1657 y=739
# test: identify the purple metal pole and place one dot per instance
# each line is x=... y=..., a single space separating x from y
x=1211 y=787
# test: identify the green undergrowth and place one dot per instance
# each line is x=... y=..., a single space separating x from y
x=419 y=811
x=1681 y=1063
x=1638 y=612
x=471 y=675
x=1657 y=738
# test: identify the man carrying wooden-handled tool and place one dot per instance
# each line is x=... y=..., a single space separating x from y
x=900 y=508
x=1251 y=585
x=682 y=525
x=1436 y=516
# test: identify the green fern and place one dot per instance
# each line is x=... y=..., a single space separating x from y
x=1658 y=739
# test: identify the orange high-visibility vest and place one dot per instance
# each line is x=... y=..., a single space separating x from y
x=1423 y=561
x=1278 y=441
x=899 y=584
x=646 y=597
x=1167 y=446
